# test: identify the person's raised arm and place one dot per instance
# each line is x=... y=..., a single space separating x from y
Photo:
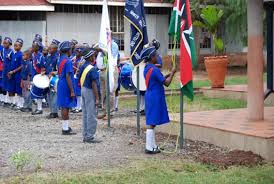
x=169 y=77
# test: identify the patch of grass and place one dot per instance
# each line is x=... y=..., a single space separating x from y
x=230 y=80
x=20 y=160
x=159 y=171
x=200 y=103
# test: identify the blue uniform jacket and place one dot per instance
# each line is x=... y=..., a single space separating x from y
x=26 y=69
x=92 y=75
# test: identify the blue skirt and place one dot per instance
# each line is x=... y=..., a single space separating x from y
x=18 y=89
x=63 y=95
x=5 y=80
x=156 y=108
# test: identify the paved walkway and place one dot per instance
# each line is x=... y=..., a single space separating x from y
x=232 y=121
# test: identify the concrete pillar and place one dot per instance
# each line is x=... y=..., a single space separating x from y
x=255 y=97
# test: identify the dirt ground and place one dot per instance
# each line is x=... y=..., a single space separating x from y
x=56 y=153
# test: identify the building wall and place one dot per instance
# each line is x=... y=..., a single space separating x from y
x=84 y=27
x=157 y=27
x=23 y=29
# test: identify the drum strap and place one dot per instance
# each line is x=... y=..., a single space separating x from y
x=84 y=74
x=148 y=75
x=62 y=64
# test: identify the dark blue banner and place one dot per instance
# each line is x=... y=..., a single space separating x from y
x=135 y=14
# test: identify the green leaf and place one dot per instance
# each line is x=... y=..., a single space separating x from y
x=219 y=45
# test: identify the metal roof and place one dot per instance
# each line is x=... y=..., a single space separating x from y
x=147 y=3
x=25 y=5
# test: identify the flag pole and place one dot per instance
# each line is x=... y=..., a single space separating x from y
x=181 y=138
x=138 y=102
x=108 y=99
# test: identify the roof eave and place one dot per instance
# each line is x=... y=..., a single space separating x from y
x=110 y=3
x=27 y=8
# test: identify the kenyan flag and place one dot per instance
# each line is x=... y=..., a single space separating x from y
x=181 y=28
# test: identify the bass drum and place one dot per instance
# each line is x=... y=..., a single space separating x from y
x=142 y=80
x=40 y=86
x=125 y=77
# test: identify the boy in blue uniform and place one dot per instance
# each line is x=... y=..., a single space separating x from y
x=26 y=80
x=156 y=108
x=2 y=91
x=51 y=70
x=37 y=68
x=7 y=53
x=14 y=86
x=77 y=87
x=90 y=98
x=66 y=95
x=73 y=46
x=38 y=38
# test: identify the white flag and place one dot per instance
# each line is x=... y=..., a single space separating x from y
x=105 y=43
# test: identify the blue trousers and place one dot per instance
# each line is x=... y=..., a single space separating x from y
x=26 y=95
x=52 y=100
x=89 y=113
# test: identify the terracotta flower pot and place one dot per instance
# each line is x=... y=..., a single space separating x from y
x=216 y=67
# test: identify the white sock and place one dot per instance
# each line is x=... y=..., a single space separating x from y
x=39 y=104
x=21 y=102
x=8 y=99
x=16 y=100
x=142 y=103
x=12 y=100
x=116 y=101
x=79 y=102
x=1 y=97
x=149 y=136
x=44 y=100
x=154 y=145
x=65 y=125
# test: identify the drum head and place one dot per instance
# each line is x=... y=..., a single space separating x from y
x=41 y=81
x=142 y=80
x=125 y=77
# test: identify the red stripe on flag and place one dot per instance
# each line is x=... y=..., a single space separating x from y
x=185 y=59
x=189 y=21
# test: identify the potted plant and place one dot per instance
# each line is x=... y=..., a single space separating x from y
x=216 y=65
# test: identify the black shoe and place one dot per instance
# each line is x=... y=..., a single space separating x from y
x=12 y=106
x=142 y=112
x=36 y=112
x=52 y=115
x=45 y=104
x=154 y=151
x=94 y=141
x=6 y=104
x=26 y=109
x=68 y=132
x=73 y=111
x=17 y=108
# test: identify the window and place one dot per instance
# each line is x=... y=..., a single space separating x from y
x=22 y=15
x=171 y=43
x=117 y=25
x=73 y=8
x=205 y=39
